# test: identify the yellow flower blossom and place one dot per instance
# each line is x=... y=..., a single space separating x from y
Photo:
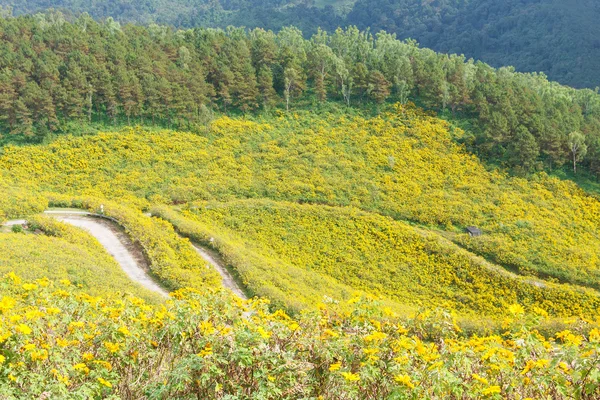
x=375 y=337
x=404 y=380
x=81 y=367
x=112 y=347
x=6 y=304
x=104 y=382
x=491 y=390
x=594 y=335
x=516 y=309
x=350 y=377
x=335 y=367
x=124 y=330
x=15 y=279
x=24 y=329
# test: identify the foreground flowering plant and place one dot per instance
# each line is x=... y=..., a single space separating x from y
x=56 y=342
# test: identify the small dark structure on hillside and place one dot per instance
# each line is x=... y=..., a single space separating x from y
x=473 y=231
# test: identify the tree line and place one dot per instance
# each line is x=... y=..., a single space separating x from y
x=556 y=37
x=53 y=71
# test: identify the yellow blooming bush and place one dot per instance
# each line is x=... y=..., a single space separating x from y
x=402 y=164
x=365 y=251
x=56 y=342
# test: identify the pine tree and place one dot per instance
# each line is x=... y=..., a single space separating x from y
x=265 y=87
x=379 y=87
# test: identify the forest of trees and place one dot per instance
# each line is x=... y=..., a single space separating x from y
x=53 y=72
x=559 y=37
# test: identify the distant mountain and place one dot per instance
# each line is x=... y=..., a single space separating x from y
x=558 y=37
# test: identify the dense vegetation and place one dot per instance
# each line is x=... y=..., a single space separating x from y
x=556 y=37
x=402 y=164
x=364 y=251
x=56 y=75
x=553 y=36
x=60 y=343
x=318 y=212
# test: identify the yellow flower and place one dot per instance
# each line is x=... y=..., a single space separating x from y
x=105 y=364
x=2 y=359
x=207 y=351
x=271 y=378
x=104 y=382
x=81 y=367
x=350 y=377
x=207 y=328
x=404 y=380
x=24 y=329
x=29 y=286
x=39 y=355
x=76 y=325
x=329 y=332
x=263 y=333
x=7 y=303
x=401 y=330
x=542 y=362
x=124 y=330
x=64 y=379
x=112 y=347
x=563 y=366
x=16 y=280
x=594 y=335
x=516 y=309
x=87 y=356
x=480 y=379
x=375 y=337
x=491 y=390
x=436 y=365
x=335 y=367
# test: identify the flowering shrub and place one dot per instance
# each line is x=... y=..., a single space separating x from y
x=368 y=252
x=59 y=343
x=401 y=164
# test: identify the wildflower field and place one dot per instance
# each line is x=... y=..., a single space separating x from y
x=56 y=343
x=380 y=256
x=353 y=225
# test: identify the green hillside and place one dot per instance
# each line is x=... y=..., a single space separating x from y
x=65 y=253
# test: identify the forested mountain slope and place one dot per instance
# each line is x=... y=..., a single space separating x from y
x=559 y=38
x=57 y=76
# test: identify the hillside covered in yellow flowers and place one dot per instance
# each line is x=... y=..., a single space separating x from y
x=401 y=193
x=312 y=214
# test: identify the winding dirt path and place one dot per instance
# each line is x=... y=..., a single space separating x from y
x=117 y=244
x=126 y=253
x=214 y=259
